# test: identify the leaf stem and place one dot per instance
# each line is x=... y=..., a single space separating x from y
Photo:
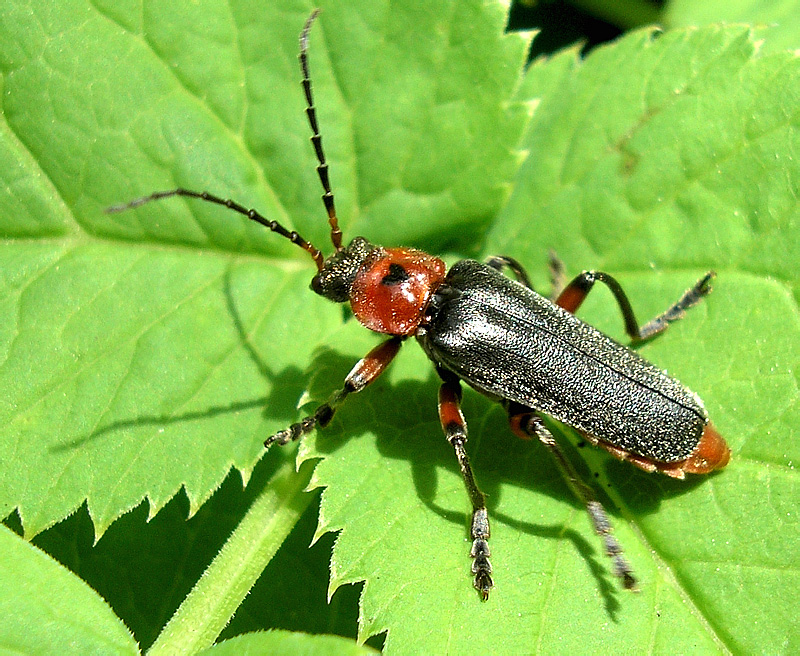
x=214 y=599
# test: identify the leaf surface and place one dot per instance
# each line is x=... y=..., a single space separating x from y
x=46 y=609
x=778 y=21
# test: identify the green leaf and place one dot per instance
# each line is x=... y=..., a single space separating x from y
x=284 y=642
x=656 y=160
x=779 y=21
x=48 y=610
x=154 y=350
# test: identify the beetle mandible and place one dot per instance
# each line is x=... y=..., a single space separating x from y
x=500 y=337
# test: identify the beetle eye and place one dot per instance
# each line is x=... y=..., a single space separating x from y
x=397 y=274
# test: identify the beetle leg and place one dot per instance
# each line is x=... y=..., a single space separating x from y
x=455 y=430
x=555 y=265
x=526 y=424
x=367 y=370
x=575 y=293
x=501 y=262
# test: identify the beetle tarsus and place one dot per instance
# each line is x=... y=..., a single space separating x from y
x=366 y=370
x=455 y=431
x=602 y=526
x=691 y=297
x=321 y=417
x=481 y=567
x=301 y=428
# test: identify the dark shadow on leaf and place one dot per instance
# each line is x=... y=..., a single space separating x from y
x=158 y=560
x=425 y=483
x=159 y=421
x=427 y=453
x=643 y=492
x=498 y=446
x=608 y=585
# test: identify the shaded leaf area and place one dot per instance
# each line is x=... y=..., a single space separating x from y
x=655 y=160
x=145 y=569
x=778 y=20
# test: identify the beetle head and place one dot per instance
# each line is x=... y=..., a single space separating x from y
x=335 y=280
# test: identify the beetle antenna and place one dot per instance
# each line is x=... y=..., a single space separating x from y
x=316 y=138
x=291 y=235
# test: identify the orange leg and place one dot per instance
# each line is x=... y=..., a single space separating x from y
x=575 y=292
x=367 y=370
x=455 y=430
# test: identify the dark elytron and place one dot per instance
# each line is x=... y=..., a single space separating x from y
x=509 y=342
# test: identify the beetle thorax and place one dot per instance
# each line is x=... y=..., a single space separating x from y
x=388 y=288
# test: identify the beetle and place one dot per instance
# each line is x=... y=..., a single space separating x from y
x=500 y=337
